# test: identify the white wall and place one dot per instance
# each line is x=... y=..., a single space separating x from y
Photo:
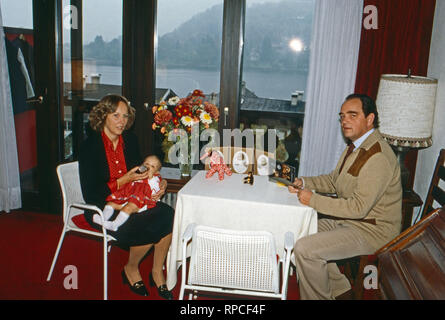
x=427 y=157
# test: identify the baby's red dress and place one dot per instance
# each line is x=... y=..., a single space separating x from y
x=138 y=192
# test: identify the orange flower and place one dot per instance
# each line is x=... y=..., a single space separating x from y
x=212 y=110
x=154 y=126
x=163 y=130
x=163 y=116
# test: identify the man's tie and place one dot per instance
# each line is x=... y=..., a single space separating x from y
x=348 y=153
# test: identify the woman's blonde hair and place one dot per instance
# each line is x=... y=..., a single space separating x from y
x=106 y=106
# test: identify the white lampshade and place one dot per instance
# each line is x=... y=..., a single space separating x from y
x=406 y=109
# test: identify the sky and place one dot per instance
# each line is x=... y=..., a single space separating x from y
x=104 y=17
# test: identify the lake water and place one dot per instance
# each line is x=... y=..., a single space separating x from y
x=276 y=85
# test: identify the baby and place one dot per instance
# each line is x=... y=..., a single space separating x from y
x=133 y=197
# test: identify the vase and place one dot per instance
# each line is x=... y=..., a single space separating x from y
x=186 y=166
x=185 y=169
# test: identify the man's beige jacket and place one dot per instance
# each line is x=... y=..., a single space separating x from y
x=369 y=191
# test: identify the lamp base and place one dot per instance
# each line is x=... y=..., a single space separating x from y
x=404 y=173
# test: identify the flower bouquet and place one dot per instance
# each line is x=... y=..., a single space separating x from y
x=179 y=116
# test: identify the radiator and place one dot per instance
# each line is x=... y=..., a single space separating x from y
x=170 y=199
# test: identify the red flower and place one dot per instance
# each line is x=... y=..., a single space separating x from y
x=163 y=116
x=183 y=110
x=198 y=93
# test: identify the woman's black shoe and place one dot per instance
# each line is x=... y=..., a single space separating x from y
x=138 y=287
x=162 y=290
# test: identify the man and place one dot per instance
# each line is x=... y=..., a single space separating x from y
x=365 y=215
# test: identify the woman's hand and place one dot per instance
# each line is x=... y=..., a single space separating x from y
x=131 y=176
x=160 y=193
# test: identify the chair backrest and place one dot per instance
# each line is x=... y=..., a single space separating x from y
x=436 y=194
x=234 y=259
x=69 y=180
x=412 y=265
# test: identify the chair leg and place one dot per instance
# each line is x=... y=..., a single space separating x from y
x=56 y=255
x=181 y=293
x=105 y=269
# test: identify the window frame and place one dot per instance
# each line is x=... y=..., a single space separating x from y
x=139 y=68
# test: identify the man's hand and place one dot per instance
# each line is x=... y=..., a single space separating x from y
x=298 y=184
x=160 y=193
x=304 y=196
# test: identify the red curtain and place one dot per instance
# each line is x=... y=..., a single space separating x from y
x=401 y=42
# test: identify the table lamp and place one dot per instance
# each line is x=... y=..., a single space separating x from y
x=406 y=111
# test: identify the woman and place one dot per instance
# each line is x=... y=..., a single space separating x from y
x=109 y=158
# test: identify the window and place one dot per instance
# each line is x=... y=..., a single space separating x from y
x=102 y=45
x=275 y=70
x=189 y=46
x=96 y=49
x=92 y=51
x=275 y=61
x=188 y=52
x=17 y=14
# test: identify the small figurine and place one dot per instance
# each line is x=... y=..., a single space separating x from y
x=217 y=164
x=249 y=178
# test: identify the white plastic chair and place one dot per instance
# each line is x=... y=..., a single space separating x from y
x=68 y=175
x=236 y=262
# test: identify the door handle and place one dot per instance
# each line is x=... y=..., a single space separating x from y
x=38 y=100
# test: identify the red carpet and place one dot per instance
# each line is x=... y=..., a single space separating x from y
x=28 y=242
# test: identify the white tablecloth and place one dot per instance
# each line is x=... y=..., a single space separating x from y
x=231 y=204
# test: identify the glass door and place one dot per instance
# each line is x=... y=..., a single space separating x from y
x=19 y=38
x=31 y=34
